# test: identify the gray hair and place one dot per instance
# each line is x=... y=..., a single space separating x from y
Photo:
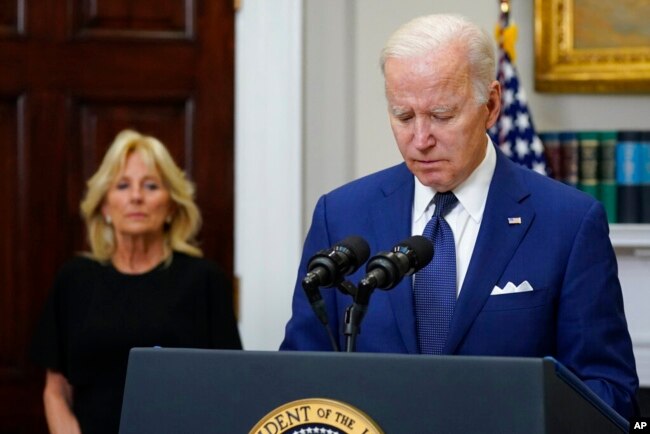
x=428 y=33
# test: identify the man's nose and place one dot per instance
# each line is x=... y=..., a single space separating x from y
x=423 y=135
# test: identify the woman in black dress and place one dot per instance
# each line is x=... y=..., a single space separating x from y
x=143 y=283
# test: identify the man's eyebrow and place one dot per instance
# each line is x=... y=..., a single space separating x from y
x=442 y=109
x=399 y=111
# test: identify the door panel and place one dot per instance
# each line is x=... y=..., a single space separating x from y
x=73 y=73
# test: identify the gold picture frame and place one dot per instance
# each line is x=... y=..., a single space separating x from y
x=586 y=46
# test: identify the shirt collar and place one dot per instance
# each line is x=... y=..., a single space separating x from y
x=472 y=193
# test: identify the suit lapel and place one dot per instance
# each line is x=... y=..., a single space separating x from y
x=496 y=243
x=391 y=223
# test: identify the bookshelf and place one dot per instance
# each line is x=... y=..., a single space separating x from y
x=630 y=235
x=613 y=167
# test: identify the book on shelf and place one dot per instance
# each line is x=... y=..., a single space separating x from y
x=570 y=155
x=553 y=154
x=588 y=163
x=628 y=176
x=607 y=173
x=645 y=177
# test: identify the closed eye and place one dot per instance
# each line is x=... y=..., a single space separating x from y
x=442 y=113
x=404 y=118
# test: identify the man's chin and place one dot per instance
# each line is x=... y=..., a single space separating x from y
x=433 y=180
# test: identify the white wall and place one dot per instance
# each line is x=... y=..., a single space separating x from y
x=268 y=165
x=328 y=98
x=345 y=132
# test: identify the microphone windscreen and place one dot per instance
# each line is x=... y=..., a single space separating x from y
x=422 y=248
x=359 y=249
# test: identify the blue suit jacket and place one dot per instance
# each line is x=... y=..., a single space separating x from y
x=562 y=248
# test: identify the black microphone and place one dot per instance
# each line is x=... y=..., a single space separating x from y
x=328 y=267
x=386 y=269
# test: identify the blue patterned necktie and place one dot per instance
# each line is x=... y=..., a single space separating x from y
x=434 y=288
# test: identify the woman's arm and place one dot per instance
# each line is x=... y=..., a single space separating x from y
x=57 y=397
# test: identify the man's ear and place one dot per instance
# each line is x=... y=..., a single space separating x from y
x=493 y=104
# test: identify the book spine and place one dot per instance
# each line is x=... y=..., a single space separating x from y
x=588 y=163
x=645 y=177
x=553 y=154
x=569 y=149
x=607 y=166
x=628 y=176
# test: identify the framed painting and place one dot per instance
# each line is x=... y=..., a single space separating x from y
x=592 y=46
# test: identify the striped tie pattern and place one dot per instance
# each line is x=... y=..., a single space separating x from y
x=434 y=288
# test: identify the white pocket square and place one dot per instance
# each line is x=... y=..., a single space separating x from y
x=510 y=288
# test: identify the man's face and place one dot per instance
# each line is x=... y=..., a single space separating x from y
x=438 y=126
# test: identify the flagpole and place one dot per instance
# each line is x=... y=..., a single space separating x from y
x=505 y=12
x=504 y=20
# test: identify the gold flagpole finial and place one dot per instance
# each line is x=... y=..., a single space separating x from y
x=505 y=6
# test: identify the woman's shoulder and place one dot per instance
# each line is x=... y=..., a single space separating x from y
x=77 y=274
x=197 y=272
x=195 y=263
x=80 y=264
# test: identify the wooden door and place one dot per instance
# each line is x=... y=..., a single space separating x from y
x=72 y=74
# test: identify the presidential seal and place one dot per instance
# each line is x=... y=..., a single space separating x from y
x=316 y=416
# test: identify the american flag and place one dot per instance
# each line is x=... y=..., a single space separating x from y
x=514 y=132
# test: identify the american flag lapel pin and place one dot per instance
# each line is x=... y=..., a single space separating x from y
x=514 y=220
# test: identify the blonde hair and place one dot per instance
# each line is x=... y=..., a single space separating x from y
x=429 y=33
x=179 y=234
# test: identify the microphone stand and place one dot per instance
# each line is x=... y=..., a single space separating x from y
x=353 y=316
x=355 y=313
x=310 y=285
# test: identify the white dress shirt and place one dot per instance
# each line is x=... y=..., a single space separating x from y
x=465 y=218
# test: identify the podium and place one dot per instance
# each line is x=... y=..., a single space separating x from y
x=226 y=391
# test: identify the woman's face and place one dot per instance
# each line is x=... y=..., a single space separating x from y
x=137 y=201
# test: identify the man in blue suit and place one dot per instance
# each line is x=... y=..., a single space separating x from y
x=536 y=274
